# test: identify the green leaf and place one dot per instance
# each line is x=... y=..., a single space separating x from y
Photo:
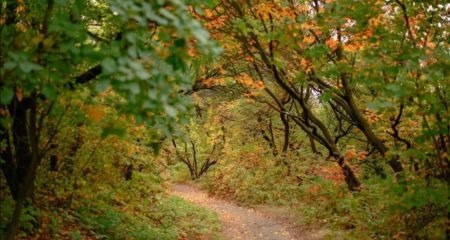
x=109 y=66
x=171 y=111
x=113 y=131
x=134 y=88
x=326 y=96
x=102 y=85
x=6 y=94
x=201 y=34
x=156 y=147
x=49 y=92
x=27 y=67
x=397 y=90
x=9 y=65
x=78 y=8
x=142 y=74
x=379 y=105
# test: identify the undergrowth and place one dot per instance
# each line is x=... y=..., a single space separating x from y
x=105 y=187
x=414 y=208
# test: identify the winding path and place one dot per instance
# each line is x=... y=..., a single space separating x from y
x=240 y=222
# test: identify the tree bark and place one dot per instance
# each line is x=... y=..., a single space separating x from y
x=285 y=121
x=27 y=157
x=313 y=145
x=349 y=176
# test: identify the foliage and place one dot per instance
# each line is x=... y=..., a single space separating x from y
x=367 y=81
x=139 y=50
x=134 y=60
x=335 y=108
x=85 y=192
x=251 y=174
x=201 y=142
x=172 y=218
x=405 y=213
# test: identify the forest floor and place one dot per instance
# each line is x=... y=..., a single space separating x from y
x=238 y=222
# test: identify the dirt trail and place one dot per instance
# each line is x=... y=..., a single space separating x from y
x=240 y=222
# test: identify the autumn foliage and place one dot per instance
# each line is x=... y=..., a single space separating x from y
x=335 y=109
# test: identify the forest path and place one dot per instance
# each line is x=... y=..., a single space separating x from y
x=243 y=223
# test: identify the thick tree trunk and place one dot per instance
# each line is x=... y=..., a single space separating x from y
x=27 y=156
x=193 y=174
x=9 y=166
x=13 y=225
x=25 y=191
x=363 y=125
x=15 y=169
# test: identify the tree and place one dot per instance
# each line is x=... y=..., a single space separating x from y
x=200 y=144
x=138 y=49
x=266 y=67
x=353 y=57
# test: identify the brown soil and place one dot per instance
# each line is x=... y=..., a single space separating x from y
x=265 y=223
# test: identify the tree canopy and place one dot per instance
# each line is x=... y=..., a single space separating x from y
x=258 y=100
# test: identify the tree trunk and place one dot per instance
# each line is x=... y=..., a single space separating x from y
x=285 y=121
x=350 y=178
x=313 y=145
x=363 y=125
x=206 y=166
x=27 y=157
x=9 y=166
x=15 y=169
x=13 y=225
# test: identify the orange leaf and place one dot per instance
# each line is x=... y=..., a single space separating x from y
x=95 y=114
x=309 y=39
x=332 y=44
x=19 y=94
x=350 y=154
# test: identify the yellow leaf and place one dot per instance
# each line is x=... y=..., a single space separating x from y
x=37 y=39
x=303 y=7
x=208 y=13
x=48 y=42
x=95 y=114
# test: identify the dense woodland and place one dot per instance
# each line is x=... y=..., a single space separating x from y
x=337 y=110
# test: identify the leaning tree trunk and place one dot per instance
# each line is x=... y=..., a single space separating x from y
x=352 y=182
x=362 y=123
